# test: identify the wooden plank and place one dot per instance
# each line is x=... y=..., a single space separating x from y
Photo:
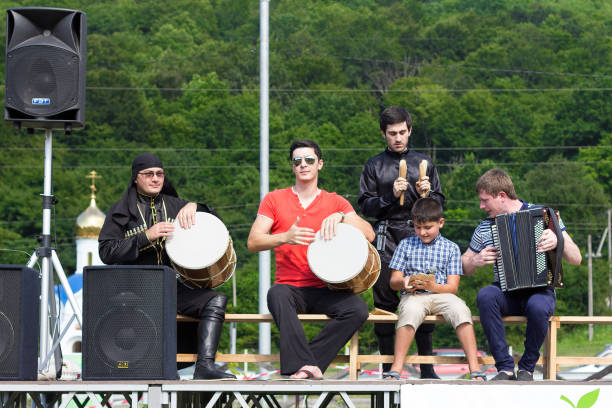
x=257 y=318
x=580 y=360
x=415 y=359
x=584 y=319
x=353 y=352
x=550 y=350
x=186 y=358
x=391 y=318
x=372 y=318
x=247 y=358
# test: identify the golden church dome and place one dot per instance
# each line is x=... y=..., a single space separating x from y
x=89 y=222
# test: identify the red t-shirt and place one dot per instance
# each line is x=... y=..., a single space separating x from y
x=283 y=207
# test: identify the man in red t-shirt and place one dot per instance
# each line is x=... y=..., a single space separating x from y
x=287 y=221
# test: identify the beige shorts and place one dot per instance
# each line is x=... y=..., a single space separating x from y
x=412 y=309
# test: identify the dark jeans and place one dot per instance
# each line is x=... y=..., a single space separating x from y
x=285 y=302
x=537 y=305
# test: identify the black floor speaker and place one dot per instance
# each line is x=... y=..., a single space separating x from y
x=19 y=322
x=129 y=323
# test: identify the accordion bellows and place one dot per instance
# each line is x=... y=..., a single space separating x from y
x=519 y=264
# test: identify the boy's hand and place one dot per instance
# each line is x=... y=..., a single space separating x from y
x=421 y=281
x=424 y=285
x=408 y=286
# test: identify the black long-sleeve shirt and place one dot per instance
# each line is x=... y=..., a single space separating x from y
x=123 y=239
x=376 y=197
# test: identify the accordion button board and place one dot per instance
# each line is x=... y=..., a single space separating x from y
x=519 y=265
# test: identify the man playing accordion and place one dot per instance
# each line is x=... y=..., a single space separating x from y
x=497 y=196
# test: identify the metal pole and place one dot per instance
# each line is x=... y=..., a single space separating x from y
x=50 y=261
x=590 y=284
x=610 y=257
x=46 y=245
x=233 y=329
x=264 y=256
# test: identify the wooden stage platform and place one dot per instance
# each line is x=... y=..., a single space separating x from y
x=302 y=393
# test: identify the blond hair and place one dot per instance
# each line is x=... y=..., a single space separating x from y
x=495 y=181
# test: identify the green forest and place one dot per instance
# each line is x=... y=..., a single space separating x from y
x=524 y=85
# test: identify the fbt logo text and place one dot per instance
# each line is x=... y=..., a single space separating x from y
x=41 y=101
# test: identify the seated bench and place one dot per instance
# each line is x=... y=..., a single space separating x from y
x=548 y=359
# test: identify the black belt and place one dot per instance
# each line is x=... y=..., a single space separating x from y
x=398 y=222
x=416 y=292
x=381 y=231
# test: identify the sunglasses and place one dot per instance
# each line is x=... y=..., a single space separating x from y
x=298 y=160
x=150 y=174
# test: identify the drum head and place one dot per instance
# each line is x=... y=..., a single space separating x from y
x=341 y=258
x=199 y=246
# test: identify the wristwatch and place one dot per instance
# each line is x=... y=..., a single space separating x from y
x=342 y=214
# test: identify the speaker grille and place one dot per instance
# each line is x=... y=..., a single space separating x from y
x=10 y=322
x=128 y=334
x=126 y=326
x=19 y=322
x=49 y=78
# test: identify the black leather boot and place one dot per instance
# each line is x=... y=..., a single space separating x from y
x=424 y=342
x=209 y=332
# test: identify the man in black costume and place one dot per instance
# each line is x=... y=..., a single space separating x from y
x=134 y=233
x=380 y=190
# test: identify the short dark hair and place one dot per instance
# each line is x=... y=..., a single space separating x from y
x=305 y=143
x=426 y=210
x=495 y=181
x=394 y=114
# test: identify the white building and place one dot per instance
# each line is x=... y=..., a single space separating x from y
x=88 y=226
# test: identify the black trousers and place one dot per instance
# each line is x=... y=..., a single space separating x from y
x=192 y=301
x=285 y=302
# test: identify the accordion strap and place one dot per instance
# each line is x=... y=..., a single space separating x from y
x=560 y=243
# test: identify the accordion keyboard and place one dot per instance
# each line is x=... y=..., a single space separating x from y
x=499 y=262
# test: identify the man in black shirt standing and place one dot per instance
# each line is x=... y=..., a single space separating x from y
x=380 y=189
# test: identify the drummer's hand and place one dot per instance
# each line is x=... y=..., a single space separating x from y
x=299 y=235
x=399 y=186
x=186 y=216
x=423 y=186
x=328 y=226
x=161 y=229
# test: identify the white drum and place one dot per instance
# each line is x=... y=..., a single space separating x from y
x=346 y=262
x=203 y=255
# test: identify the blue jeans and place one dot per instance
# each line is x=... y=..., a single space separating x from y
x=537 y=305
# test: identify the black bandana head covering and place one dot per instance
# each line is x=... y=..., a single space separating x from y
x=145 y=161
x=126 y=208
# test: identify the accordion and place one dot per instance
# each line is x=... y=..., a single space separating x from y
x=519 y=264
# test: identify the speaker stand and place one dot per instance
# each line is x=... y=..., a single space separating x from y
x=49 y=343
